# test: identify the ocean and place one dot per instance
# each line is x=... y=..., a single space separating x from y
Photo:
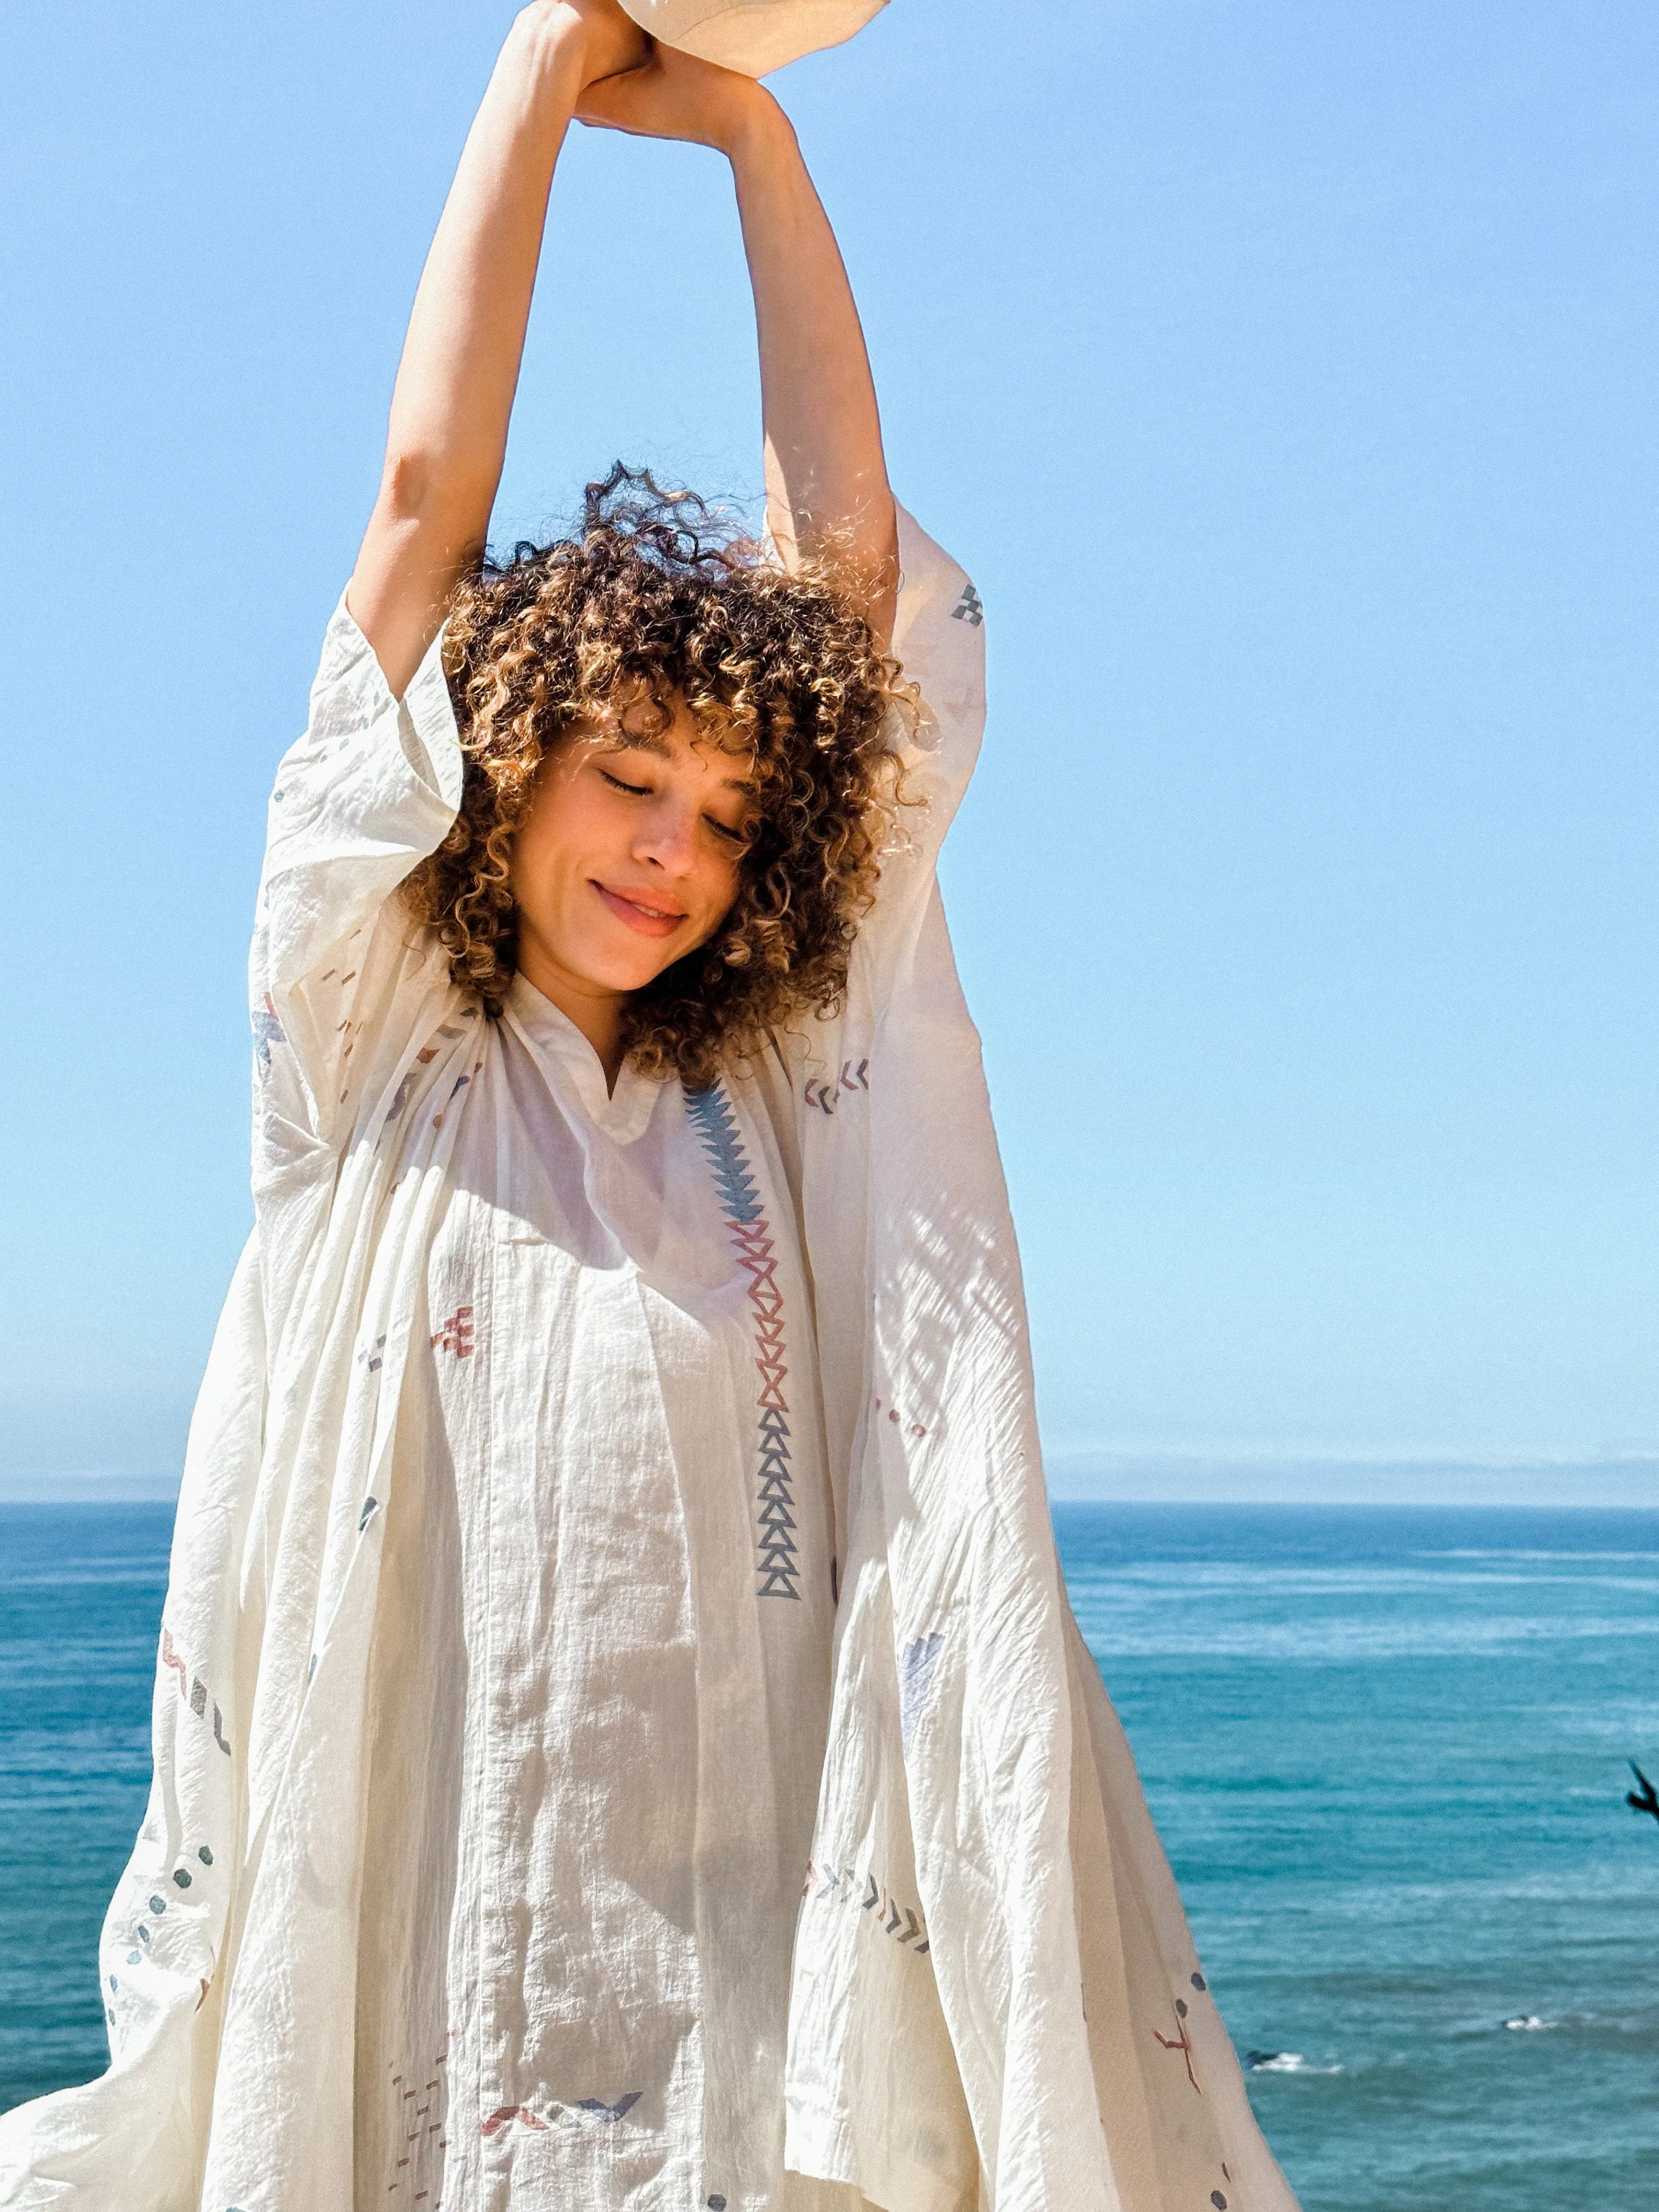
x=1386 y=1751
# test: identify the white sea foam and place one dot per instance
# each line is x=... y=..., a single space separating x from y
x=1528 y=2023
x=1117 y=1623
x=1570 y=1559
x=1283 y=2062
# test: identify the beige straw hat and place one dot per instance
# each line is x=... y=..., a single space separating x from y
x=752 y=35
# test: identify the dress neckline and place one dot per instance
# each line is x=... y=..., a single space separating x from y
x=622 y=1113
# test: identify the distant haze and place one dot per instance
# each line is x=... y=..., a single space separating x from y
x=1311 y=1478
x=1167 y=1478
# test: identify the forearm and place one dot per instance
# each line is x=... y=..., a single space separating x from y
x=453 y=397
x=827 y=487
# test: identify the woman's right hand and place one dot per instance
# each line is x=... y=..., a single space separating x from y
x=611 y=41
x=675 y=95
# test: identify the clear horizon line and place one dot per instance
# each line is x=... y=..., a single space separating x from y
x=1126 y=1458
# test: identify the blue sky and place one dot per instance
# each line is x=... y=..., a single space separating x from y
x=1283 y=374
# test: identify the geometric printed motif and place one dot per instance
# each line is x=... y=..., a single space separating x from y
x=1182 y=2041
x=921 y=1657
x=454 y=1335
x=193 y=1690
x=825 y=1094
x=267 y=1031
x=849 y=1885
x=579 y=2112
x=751 y=1241
x=415 y=2126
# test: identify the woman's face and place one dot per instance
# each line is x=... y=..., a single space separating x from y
x=629 y=857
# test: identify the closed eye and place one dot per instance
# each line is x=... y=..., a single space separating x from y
x=639 y=790
x=740 y=837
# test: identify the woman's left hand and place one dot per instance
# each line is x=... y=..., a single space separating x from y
x=675 y=95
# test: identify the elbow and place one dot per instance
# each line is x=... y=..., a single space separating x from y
x=426 y=491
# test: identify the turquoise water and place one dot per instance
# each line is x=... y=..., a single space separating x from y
x=1385 y=1750
x=80 y=1589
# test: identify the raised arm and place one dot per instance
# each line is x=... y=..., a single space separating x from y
x=454 y=397
x=826 y=479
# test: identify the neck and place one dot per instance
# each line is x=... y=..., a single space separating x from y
x=597 y=1013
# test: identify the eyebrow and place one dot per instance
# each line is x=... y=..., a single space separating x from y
x=626 y=742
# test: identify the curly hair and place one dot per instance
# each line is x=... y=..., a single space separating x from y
x=656 y=595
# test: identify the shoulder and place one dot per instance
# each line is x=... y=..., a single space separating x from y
x=938 y=640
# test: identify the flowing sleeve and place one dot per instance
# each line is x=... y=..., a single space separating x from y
x=1024 y=2023
x=369 y=792
x=823 y=1074
x=222 y=1958
x=938 y=640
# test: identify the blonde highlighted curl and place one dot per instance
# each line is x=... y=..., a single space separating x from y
x=656 y=595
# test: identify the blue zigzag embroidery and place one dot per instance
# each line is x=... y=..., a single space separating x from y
x=751 y=1240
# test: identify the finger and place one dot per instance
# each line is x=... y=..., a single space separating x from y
x=617 y=42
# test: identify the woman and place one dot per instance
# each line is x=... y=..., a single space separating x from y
x=620 y=1737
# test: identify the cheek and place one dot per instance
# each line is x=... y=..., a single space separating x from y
x=553 y=830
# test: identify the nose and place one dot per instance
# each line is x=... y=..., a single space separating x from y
x=667 y=837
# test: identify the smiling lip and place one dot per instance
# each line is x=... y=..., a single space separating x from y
x=650 y=918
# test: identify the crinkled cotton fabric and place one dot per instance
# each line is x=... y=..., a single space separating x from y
x=599 y=1684
x=620 y=1735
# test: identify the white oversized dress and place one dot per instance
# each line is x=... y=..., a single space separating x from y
x=599 y=1685
x=620 y=1736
